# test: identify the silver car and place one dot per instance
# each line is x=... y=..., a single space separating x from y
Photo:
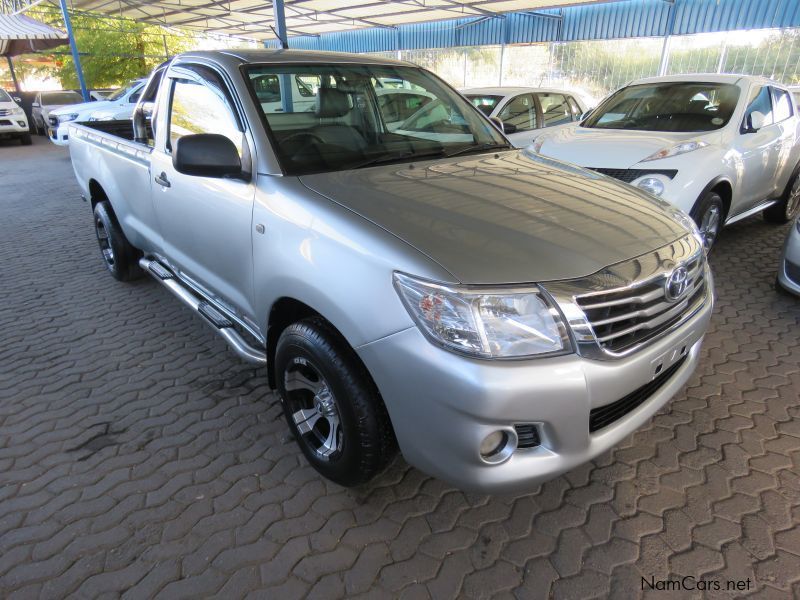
x=789 y=267
x=500 y=316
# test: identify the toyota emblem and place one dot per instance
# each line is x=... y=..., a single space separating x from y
x=676 y=284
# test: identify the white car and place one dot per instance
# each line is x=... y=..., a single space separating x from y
x=13 y=122
x=118 y=106
x=525 y=111
x=46 y=102
x=719 y=147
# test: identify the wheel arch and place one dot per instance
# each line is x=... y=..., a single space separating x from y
x=722 y=186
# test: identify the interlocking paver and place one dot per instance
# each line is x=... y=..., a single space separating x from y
x=139 y=457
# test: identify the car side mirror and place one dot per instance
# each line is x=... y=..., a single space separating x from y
x=35 y=105
x=586 y=114
x=206 y=155
x=755 y=121
x=498 y=122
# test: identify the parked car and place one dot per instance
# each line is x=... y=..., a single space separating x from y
x=502 y=316
x=795 y=90
x=13 y=121
x=118 y=106
x=102 y=94
x=524 y=112
x=720 y=147
x=398 y=104
x=46 y=102
x=789 y=267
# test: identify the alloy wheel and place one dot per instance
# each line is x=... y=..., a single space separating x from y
x=793 y=201
x=709 y=227
x=105 y=243
x=313 y=409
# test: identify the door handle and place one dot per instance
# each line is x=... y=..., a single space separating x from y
x=162 y=180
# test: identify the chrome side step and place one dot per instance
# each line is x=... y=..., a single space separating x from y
x=215 y=318
x=755 y=210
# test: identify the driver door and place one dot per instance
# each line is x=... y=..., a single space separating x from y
x=205 y=221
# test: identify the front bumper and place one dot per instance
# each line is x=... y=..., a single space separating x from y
x=13 y=125
x=789 y=268
x=59 y=135
x=443 y=405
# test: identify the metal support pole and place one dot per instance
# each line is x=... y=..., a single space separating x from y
x=285 y=80
x=73 y=46
x=502 y=50
x=664 y=65
x=13 y=74
x=166 y=49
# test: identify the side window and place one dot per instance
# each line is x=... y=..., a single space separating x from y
x=783 y=105
x=267 y=88
x=555 y=109
x=134 y=98
x=201 y=108
x=575 y=108
x=519 y=114
x=759 y=101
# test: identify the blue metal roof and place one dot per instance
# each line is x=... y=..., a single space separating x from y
x=607 y=20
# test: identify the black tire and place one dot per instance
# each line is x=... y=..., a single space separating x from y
x=709 y=214
x=40 y=130
x=25 y=139
x=325 y=377
x=788 y=206
x=119 y=256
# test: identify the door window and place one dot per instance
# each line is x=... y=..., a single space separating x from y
x=555 y=109
x=783 y=106
x=759 y=101
x=575 y=107
x=202 y=108
x=519 y=114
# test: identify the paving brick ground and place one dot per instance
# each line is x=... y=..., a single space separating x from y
x=140 y=458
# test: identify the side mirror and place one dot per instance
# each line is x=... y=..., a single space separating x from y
x=498 y=122
x=586 y=114
x=206 y=155
x=35 y=105
x=753 y=122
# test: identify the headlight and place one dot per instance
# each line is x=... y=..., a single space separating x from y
x=484 y=322
x=69 y=117
x=677 y=149
x=689 y=223
x=17 y=111
x=651 y=184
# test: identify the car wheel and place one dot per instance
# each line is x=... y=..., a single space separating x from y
x=789 y=205
x=39 y=128
x=119 y=256
x=25 y=139
x=331 y=404
x=708 y=214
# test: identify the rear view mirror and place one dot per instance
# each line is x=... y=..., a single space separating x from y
x=206 y=155
x=498 y=122
x=35 y=105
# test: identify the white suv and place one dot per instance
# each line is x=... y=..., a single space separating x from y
x=720 y=147
x=13 y=122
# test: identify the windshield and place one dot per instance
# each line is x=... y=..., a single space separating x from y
x=352 y=119
x=117 y=94
x=669 y=106
x=485 y=104
x=54 y=98
x=4 y=97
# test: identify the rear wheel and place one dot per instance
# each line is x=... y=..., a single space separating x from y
x=708 y=214
x=788 y=206
x=119 y=256
x=331 y=403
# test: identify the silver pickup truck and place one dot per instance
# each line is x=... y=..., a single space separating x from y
x=405 y=281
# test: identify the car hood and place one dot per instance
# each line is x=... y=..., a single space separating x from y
x=609 y=148
x=83 y=107
x=512 y=217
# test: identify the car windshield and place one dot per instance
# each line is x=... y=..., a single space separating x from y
x=117 y=94
x=55 y=98
x=484 y=103
x=351 y=118
x=4 y=97
x=669 y=106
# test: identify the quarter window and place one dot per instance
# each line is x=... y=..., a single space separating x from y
x=200 y=108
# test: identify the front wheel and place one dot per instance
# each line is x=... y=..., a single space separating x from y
x=331 y=404
x=25 y=139
x=708 y=214
x=788 y=206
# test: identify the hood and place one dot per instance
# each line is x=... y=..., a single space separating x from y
x=512 y=217
x=82 y=107
x=609 y=148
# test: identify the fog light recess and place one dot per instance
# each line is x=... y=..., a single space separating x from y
x=498 y=446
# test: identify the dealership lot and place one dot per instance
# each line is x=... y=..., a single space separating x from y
x=139 y=455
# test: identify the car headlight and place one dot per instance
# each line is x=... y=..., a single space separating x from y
x=677 y=149
x=651 y=184
x=17 y=111
x=485 y=322
x=69 y=117
x=689 y=223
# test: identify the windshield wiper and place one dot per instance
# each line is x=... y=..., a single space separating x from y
x=478 y=148
x=389 y=158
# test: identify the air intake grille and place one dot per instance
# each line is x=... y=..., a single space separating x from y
x=5 y=112
x=527 y=436
x=628 y=175
x=626 y=316
x=603 y=416
x=793 y=272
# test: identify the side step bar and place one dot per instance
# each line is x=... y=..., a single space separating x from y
x=218 y=321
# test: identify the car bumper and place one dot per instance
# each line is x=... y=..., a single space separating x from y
x=59 y=135
x=442 y=405
x=13 y=125
x=789 y=268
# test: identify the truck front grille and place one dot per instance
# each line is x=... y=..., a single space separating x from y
x=628 y=175
x=630 y=315
x=603 y=416
x=4 y=112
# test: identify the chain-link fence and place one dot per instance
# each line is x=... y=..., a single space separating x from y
x=596 y=68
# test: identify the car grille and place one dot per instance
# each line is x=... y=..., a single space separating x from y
x=527 y=436
x=5 y=122
x=626 y=316
x=603 y=416
x=629 y=175
x=53 y=121
x=4 y=112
